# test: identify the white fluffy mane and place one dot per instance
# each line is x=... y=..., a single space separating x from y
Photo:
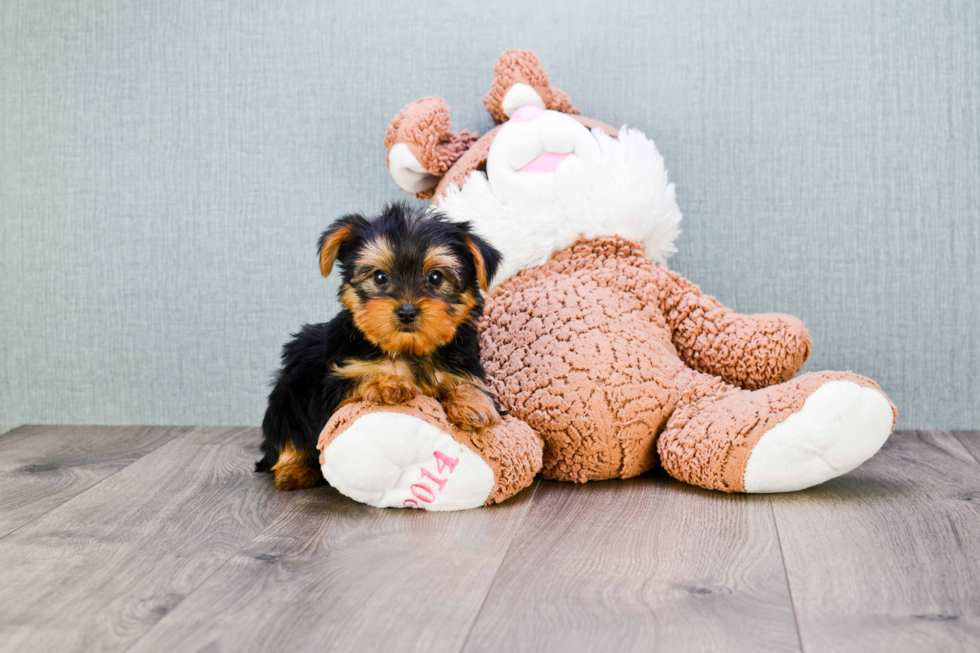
x=629 y=195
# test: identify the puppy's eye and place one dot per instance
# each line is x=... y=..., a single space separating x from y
x=380 y=278
x=434 y=278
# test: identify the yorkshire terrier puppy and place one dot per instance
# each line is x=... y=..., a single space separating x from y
x=411 y=296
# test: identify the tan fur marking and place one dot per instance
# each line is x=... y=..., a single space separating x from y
x=439 y=257
x=468 y=302
x=328 y=253
x=469 y=408
x=436 y=324
x=375 y=319
x=446 y=381
x=354 y=368
x=294 y=470
x=384 y=389
x=350 y=299
x=391 y=375
x=481 y=267
x=377 y=254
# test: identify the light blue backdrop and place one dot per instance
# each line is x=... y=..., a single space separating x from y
x=165 y=169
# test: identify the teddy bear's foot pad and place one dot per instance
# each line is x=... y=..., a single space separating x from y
x=394 y=460
x=840 y=426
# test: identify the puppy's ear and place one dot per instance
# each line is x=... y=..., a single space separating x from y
x=485 y=257
x=332 y=240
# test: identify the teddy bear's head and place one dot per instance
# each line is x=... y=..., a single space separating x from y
x=542 y=177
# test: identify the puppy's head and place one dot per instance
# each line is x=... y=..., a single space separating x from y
x=411 y=278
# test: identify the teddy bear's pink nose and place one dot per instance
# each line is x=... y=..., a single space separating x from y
x=527 y=114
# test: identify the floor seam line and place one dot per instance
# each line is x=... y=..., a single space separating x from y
x=97 y=483
x=215 y=571
x=789 y=588
x=496 y=572
x=203 y=581
x=956 y=436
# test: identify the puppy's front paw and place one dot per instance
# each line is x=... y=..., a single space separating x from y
x=389 y=390
x=470 y=408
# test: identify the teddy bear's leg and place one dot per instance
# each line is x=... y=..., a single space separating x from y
x=786 y=437
x=750 y=351
x=411 y=456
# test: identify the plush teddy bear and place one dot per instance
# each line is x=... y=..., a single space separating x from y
x=618 y=363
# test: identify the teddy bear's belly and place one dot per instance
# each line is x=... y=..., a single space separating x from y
x=589 y=367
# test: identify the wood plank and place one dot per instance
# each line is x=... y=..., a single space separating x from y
x=640 y=565
x=334 y=575
x=970 y=441
x=99 y=570
x=887 y=558
x=41 y=467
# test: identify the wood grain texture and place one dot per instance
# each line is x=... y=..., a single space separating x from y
x=334 y=575
x=640 y=565
x=887 y=558
x=41 y=467
x=185 y=549
x=99 y=570
x=970 y=441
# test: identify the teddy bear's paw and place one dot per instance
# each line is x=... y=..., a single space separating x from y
x=394 y=460
x=841 y=425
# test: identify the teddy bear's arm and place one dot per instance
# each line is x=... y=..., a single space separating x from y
x=750 y=351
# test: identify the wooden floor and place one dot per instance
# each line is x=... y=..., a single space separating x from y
x=162 y=539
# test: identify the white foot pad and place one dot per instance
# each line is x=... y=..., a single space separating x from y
x=393 y=460
x=841 y=425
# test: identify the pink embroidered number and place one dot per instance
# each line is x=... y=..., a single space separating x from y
x=423 y=492
x=443 y=461
x=441 y=482
x=419 y=488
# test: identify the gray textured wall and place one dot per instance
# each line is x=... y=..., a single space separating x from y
x=165 y=169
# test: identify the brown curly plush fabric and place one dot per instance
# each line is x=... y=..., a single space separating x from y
x=715 y=425
x=523 y=66
x=750 y=351
x=587 y=364
x=511 y=449
x=423 y=126
x=603 y=352
x=619 y=363
x=474 y=159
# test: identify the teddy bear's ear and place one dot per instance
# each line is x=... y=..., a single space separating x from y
x=421 y=147
x=519 y=80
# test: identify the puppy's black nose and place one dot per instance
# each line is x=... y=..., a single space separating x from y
x=406 y=313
